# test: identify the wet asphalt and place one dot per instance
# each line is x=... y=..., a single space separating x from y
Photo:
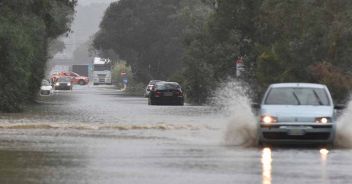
x=96 y=134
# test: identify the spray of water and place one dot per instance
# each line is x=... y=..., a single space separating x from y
x=232 y=100
x=344 y=128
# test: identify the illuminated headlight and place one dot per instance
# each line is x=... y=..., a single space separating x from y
x=323 y=120
x=57 y=84
x=268 y=119
x=69 y=84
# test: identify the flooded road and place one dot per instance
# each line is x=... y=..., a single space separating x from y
x=98 y=135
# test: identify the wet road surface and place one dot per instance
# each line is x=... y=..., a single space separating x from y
x=98 y=135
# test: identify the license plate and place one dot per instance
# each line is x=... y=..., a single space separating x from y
x=296 y=132
x=168 y=94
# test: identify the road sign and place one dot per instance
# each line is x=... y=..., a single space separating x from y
x=239 y=66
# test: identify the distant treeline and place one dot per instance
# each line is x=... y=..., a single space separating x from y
x=26 y=29
x=197 y=42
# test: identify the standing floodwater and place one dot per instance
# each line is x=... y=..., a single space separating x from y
x=98 y=135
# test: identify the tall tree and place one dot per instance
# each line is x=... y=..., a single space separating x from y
x=145 y=33
x=24 y=41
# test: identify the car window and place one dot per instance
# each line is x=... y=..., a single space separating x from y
x=74 y=74
x=167 y=86
x=297 y=96
x=64 y=79
x=45 y=83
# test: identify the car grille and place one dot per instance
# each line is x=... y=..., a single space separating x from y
x=101 y=77
x=285 y=136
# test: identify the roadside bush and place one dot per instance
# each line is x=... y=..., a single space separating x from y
x=24 y=41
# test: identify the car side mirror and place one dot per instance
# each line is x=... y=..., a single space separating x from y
x=339 y=106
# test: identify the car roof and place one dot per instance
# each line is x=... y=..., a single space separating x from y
x=164 y=82
x=304 y=85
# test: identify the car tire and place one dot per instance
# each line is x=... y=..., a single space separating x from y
x=81 y=82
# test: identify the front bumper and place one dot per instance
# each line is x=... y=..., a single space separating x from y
x=63 y=87
x=297 y=133
x=45 y=92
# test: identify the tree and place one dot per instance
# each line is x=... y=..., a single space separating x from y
x=145 y=33
x=24 y=41
x=295 y=36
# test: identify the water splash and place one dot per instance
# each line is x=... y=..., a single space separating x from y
x=344 y=128
x=100 y=126
x=232 y=99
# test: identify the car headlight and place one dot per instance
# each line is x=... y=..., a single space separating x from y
x=323 y=120
x=57 y=84
x=266 y=119
x=69 y=84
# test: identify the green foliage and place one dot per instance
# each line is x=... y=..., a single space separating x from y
x=147 y=34
x=295 y=35
x=281 y=41
x=26 y=27
x=134 y=87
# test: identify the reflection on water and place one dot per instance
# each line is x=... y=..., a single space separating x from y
x=323 y=159
x=266 y=166
x=324 y=155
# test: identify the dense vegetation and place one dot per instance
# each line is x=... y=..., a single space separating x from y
x=27 y=28
x=198 y=41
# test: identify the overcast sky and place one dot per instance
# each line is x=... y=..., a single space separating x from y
x=85 y=24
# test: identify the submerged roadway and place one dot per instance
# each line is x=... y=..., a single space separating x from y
x=99 y=135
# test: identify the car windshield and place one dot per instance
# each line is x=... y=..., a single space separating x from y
x=101 y=67
x=64 y=79
x=167 y=86
x=297 y=96
x=45 y=83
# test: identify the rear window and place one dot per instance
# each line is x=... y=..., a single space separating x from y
x=297 y=96
x=167 y=86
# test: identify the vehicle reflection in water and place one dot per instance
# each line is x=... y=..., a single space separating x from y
x=324 y=156
x=266 y=166
x=323 y=159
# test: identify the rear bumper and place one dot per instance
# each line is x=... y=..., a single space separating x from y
x=293 y=133
x=168 y=100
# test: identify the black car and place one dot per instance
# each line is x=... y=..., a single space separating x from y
x=150 y=86
x=63 y=83
x=166 y=93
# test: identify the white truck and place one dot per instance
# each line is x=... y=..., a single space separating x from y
x=101 y=71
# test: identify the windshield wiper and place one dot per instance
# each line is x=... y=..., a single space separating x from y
x=295 y=95
x=317 y=97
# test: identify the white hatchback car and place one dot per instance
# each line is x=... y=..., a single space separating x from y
x=46 y=88
x=296 y=113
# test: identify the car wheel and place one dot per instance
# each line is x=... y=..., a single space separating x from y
x=81 y=82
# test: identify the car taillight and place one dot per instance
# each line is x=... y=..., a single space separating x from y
x=179 y=93
x=157 y=94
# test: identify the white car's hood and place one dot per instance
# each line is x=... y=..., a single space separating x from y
x=297 y=111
